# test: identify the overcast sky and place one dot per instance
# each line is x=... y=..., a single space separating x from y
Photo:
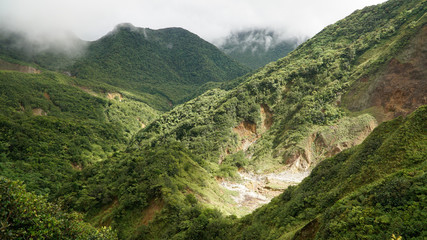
x=210 y=19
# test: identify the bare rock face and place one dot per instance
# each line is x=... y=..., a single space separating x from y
x=249 y=132
x=399 y=88
x=39 y=112
x=329 y=141
x=117 y=96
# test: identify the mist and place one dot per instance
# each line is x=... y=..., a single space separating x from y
x=47 y=20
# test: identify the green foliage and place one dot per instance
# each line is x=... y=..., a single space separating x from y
x=135 y=180
x=74 y=150
x=168 y=63
x=371 y=191
x=24 y=215
x=74 y=130
x=302 y=90
x=396 y=204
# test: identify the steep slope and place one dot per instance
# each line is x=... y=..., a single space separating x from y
x=25 y=215
x=171 y=63
x=398 y=88
x=50 y=127
x=289 y=116
x=257 y=47
x=305 y=95
x=372 y=191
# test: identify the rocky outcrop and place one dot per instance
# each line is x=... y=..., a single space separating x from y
x=266 y=117
x=399 y=88
x=328 y=141
x=38 y=112
x=249 y=132
x=117 y=96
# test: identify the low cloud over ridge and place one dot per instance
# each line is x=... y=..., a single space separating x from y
x=210 y=19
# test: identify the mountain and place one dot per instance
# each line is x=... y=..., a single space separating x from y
x=199 y=170
x=190 y=166
x=257 y=47
x=171 y=63
x=325 y=96
x=163 y=67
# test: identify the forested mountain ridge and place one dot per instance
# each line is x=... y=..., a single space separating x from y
x=171 y=63
x=163 y=67
x=303 y=100
x=53 y=123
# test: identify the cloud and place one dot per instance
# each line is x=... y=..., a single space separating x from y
x=210 y=19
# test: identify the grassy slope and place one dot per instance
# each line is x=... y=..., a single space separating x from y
x=48 y=125
x=301 y=89
x=370 y=191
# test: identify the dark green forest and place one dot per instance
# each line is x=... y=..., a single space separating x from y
x=168 y=64
x=136 y=134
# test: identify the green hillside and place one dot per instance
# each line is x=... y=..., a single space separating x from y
x=171 y=63
x=296 y=111
x=50 y=127
x=293 y=114
x=371 y=191
x=29 y=216
x=347 y=105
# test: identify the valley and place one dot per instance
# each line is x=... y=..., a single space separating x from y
x=158 y=134
x=254 y=190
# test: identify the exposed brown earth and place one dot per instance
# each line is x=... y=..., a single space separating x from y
x=399 y=88
x=16 y=67
x=266 y=116
x=150 y=212
x=76 y=166
x=39 y=112
x=249 y=132
x=46 y=95
x=140 y=121
x=115 y=96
